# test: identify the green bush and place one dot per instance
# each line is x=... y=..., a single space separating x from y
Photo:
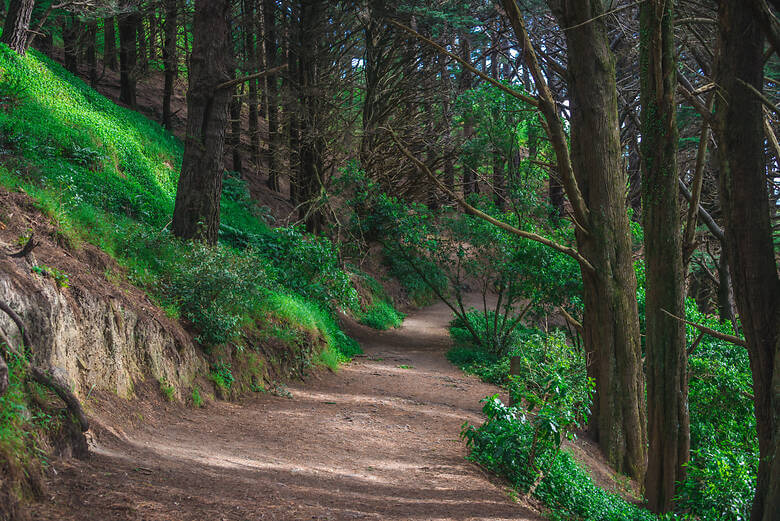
x=381 y=315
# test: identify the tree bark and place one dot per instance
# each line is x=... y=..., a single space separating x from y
x=611 y=319
x=667 y=384
x=109 y=43
x=271 y=93
x=745 y=206
x=235 y=129
x=17 y=25
x=469 y=169
x=312 y=144
x=3 y=376
x=91 y=51
x=71 y=29
x=196 y=212
x=128 y=24
x=170 y=59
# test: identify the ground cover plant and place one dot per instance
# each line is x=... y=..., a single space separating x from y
x=107 y=175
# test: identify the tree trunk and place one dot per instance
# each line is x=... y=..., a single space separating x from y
x=109 y=43
x=3 y=376
x=17 y=25
x=726 y=310
x=71 y=29
x=170 y=59
x=667 y=383
x=611 y=319
x=311 y=141
x=128 y=24
x=235 y=129
x=196 y=212
x=91 y=51
x=142 y=43
x=272 y=101
x=464 y=83
x=745 y=205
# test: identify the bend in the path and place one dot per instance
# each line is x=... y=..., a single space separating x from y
x=378 y=440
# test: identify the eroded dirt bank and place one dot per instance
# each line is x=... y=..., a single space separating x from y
x=378 y=440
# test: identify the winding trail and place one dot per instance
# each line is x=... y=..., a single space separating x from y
x=374 y=441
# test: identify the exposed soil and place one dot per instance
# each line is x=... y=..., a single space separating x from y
x=377 y=440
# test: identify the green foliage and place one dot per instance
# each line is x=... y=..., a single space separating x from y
x=59 y=277
x=524 y=448
x=381 y=315
x=197 y=400
x=222 y=375
x=107 y=175
x=167 y=389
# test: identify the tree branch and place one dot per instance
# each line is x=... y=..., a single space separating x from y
x=262 y=74
x=716 y=334
x=571 y=252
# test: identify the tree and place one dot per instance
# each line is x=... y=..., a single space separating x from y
x=196 y=212
x=170 y=58
x=667 y=386
x=17 y=25
x=739 y=121
x=611 y=319
x=128 y=52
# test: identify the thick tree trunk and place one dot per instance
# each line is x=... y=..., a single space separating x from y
x=745 y=206
x=667 y=383
x=109 y=43
x=271 y=93
x=128 y=24
x=170 y=59
x=311 y=143
x=17 y=25
x=611 y=319
x=196 y=213
x=726 y=311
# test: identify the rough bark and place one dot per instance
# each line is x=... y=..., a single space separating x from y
x=745 y=207
x=17 y=25
x=170 y=59
x=312 y=146
x=611 y=319
x=127 y=58
x=91 y=51
x=196 y=212
x=235 y=129
x=667 y=387
x=109 y=43
x=71 y=31
x=271 y=93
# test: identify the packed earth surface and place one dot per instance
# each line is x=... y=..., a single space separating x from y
x=377 y=440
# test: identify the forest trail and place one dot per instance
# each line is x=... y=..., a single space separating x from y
x=377 y=440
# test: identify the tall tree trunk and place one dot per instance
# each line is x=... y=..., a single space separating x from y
x=250 y=27
x=464 y=83
x=196 y=212
x=667 y=384
x=109 y=43
x=271 y=93
x=143 y=44
x=128 y=24
x=311 y=142
x=17 y=25
x=726 y=310
x=745 y=206
x=235 y=129
x=611 y=318
x=91 y=51
x=170 y=58
x=153 y=31
x=499 y=159
x=71 y=30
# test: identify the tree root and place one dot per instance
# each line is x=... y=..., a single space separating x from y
x=37 y=374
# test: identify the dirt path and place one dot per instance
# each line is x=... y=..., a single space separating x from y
x=375 y=441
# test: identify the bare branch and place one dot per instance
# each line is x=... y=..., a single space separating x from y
x=716 y=334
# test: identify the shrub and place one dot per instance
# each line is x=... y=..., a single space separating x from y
x=381 y=315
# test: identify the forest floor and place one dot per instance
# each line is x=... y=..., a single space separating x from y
x=377 y=440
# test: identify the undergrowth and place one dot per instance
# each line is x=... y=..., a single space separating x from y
x=107 y=176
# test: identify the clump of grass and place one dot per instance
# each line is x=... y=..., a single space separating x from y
x=197 y=400
x=381 y=315
x=168 y=390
